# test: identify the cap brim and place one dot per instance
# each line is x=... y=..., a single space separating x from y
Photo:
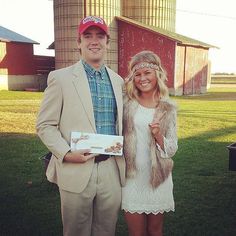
x=88 y=26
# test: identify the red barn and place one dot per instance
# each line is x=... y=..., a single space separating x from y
x=19 y=67
x=135 y=26
x=185 y=59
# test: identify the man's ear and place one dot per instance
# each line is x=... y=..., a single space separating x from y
x=108 y=42
x=79 y=45
x=79 y=42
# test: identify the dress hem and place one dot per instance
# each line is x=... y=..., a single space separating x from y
x=149 y=212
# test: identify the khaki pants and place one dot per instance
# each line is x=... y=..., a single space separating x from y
x=95 y=210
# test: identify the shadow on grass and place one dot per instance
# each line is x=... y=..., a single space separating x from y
x=29 y=205
x=204 y=189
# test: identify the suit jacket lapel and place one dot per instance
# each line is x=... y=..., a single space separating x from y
x=81 y=84
x=118 y=96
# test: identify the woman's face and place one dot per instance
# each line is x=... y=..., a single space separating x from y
x=145 y=80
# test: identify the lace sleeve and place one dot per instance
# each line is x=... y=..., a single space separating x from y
x=170 y=140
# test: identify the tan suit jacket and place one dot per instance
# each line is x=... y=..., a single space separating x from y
x=67 y=106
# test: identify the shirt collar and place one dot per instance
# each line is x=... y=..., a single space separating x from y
x=91 y=71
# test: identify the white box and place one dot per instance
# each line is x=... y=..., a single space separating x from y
x=97 y=143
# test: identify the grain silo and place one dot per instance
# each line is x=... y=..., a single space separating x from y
x=67 y=15
x=158 y=13
x=135 y=25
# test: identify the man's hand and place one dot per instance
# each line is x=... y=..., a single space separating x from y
x=79 y=156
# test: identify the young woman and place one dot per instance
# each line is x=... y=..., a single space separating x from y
x=150 y=142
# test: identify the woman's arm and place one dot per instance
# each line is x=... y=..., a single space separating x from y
x=166 y=144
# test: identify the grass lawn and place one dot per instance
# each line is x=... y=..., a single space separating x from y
x=204 y=188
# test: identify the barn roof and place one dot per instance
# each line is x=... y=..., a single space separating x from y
x=7 y=35
x=180 y=39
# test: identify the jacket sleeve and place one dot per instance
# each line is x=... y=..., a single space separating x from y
x=48 y=119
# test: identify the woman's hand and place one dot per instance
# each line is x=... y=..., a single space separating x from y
x=156 y=129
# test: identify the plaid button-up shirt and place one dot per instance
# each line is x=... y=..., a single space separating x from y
x=103 y=98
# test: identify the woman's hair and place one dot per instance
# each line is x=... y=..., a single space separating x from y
x=150 y=60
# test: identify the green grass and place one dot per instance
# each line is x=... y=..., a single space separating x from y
x=204 y=188
x=223 y=79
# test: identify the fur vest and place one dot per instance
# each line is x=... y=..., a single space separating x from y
x=160 y=167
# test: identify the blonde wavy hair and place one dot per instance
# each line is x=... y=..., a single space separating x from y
x=155 y=63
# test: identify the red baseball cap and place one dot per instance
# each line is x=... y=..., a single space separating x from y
x=88 y=21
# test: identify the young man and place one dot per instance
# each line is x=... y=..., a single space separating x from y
x=86 y=97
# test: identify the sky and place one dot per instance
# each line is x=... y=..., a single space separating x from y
x=213 y=22
x=210 y=21
x=31 y=18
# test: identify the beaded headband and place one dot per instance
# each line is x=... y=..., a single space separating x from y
x=142 y=65
x=146 y=65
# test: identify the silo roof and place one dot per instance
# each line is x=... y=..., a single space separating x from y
x=180 y=39
x=7 y=35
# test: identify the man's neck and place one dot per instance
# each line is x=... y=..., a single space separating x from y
x=95 y=65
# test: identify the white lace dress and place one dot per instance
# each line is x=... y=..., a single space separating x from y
x=137 y=195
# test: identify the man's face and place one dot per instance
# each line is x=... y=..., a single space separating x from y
x=93 y=45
